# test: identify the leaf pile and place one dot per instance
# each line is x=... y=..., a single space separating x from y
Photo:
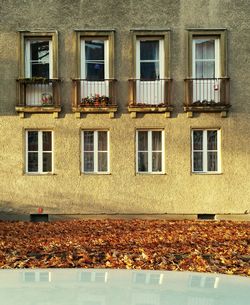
x=207 y=246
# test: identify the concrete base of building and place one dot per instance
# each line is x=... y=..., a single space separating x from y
x=199 y=217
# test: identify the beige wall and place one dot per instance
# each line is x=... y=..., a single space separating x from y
x=177 y=191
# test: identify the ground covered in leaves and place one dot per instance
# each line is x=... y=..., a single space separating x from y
x=203 y=246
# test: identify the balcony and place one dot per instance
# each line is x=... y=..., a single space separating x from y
x=207 y=95
x=150 y=96
x=38 y=95
x=94 y=97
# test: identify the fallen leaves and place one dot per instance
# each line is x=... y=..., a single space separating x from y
x=207 y=246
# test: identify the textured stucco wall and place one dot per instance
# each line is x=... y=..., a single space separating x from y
x=178 y=191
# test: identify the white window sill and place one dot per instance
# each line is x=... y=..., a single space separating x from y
x=95 y=173
x=149 y=173
x=39 y=174
x=206 y=173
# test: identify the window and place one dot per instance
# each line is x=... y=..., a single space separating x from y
x=206 y=151
x=39 y=151
x=207 y=83
x=147 y=278
x=206 y=69
x=38 y=82
x=37 y=276
x=151 y=67
x=95 y=148
x=149 y=147
x=93 y=276
x=95 y=83
x=38 y=58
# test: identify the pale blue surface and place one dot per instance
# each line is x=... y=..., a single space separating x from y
x=118 y=287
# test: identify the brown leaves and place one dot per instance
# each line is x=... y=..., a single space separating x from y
x=132 y=244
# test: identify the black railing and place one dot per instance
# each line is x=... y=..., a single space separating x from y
x=145 y=93
x=88 y=93
x=206 y=91
x=38 y=92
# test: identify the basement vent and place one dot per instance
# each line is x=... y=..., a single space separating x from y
x=206 y=216
x=39 y=217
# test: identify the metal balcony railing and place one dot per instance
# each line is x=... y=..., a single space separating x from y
x=207 y=92
x=88 y=93
x=38 y=92
x=146 y=93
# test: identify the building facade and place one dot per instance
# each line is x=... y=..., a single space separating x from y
x=125 y=107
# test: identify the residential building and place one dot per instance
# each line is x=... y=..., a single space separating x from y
x=120 y=108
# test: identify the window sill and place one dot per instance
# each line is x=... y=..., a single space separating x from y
x=149 y=174
x=39 y=174
x=223 y=109
x=97 y=109
x=95 y=174
x=206 y=173
x=38 y=109
x=134 y=109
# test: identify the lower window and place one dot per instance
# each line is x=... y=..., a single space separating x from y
x=39 y=151
x=206 y=151
x=149 y=151
x=95 y=151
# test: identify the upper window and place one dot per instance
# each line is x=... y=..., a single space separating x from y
x=95 y=151
x=149 y=151
x=39 y=151
x=206 y=151
x=207 y=83
x=38 y=83
x=38 y=58
x=151 y=83
x=38 y=55
x=95 y=69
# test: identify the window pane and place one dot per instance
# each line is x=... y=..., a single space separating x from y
x=40 y=70
x=94 y=50
x=102 y=162
x=32 y=162
x=142 y=140
x=208 y=69
x=198 y=161
x=150 y=70
x=47 y=162
x=197 y=139
x=32 y=141
x=156 y=161
x=204 y=49
x=47 y=141
x=212 y=139
x=142 y=161
x=212 y=162
x=88 y=140
x=149 y=50
x=88 y=161
x=95 y=71
x=39 y=52
x=156 y=140
x=102 y=141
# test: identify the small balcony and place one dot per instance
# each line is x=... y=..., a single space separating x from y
x=150 y=96
x=94 y=96
x=38 y=95
x=207 y=95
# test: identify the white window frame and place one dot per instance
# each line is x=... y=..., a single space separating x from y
x=216 y=55
x=40 y=152
x=150 y=151
x=205 y=151
x=95 y=171
x=106 y=56
x=27 y=61
x=161 y=56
